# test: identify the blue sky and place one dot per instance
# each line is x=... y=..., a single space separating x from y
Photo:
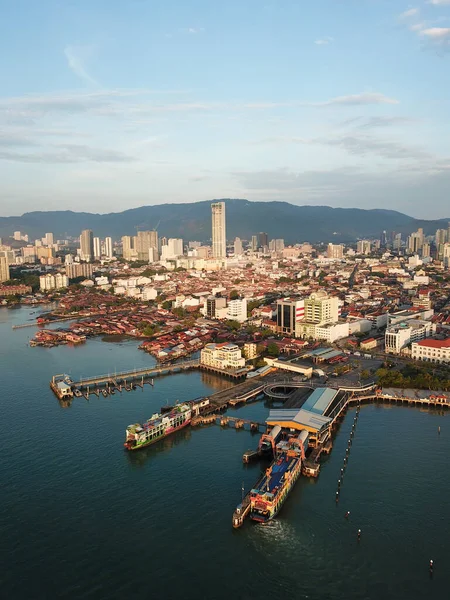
x=108 y=104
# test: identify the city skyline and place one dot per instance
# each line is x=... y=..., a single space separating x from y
x=86 y=124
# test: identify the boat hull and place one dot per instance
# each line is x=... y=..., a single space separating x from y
x=273 y=512
x=169 y=431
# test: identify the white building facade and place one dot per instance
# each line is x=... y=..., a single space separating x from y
x=222 y=356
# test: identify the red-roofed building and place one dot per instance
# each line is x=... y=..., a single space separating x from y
x=431 y=350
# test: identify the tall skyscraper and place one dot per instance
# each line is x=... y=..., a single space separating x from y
x=363 y=247
x=219 y=236
x=398 y=241
x=87 y=245
x=425 y=250
x=4 y=269
x=97 y=248
x=128 y=250
x=48 y=239
x=108 y=247
x=238 y=250
x=172 y=249
x=335 y=251
x=263 y=239
x=254 y=243
x=143 y=241
x=415 y=241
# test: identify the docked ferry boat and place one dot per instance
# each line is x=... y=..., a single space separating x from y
x=157 y=427
x=269 y=494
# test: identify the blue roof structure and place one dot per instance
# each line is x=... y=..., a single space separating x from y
x=320 y=400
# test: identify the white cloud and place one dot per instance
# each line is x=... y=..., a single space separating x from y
x=76 y=56
x=324 y=41
x=412 y=12
x=417 y=27
x=439 y=2
x=358 y=99
x=437 y=33
x=193 y=30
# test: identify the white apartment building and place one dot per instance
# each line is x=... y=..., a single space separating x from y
x=363 y=247
x=237 y=310
x=321 y=309
x=335 y=251
x=320 y=320
x=331 y=332
x=222 y=356
x=437 y=351
x=108 y=247
x=250 y=350
x=172 y=249
x=398 y=336
x=97 y=248
x=50 y=282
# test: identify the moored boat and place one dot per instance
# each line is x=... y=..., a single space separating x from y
x=157 y=427
x=269 y=494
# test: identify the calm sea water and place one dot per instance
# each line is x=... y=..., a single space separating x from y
x=81 y=518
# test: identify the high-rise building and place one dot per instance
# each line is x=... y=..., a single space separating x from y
x=79 y=270
x=97 y=248
x=254 y=243
x=415 y=241
x=237 y=310
x=320 y=308
x=219 y=236
x=4 y=269
x=335 y=251
x=289 y=312
x=143 y=241
x=128 y=249
x=17 y=236
x=363 y=247
x=440 y=237
x=425 y=250
x=172 y=249
x=214 y=303
x=48 y=239
x=87 y=245
x=238 y=249
x=446 y=255
x=276 y=245
x=108 y=247
x=263 y=239
x=397 y=241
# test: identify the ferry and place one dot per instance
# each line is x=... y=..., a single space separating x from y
x=157 y=427
x=269 y=494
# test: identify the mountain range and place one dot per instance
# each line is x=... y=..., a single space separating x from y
x=192 y=221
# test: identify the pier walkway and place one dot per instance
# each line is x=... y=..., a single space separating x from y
x=134 y=374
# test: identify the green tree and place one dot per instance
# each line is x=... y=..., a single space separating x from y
x=234 y=295
x=273 y=350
